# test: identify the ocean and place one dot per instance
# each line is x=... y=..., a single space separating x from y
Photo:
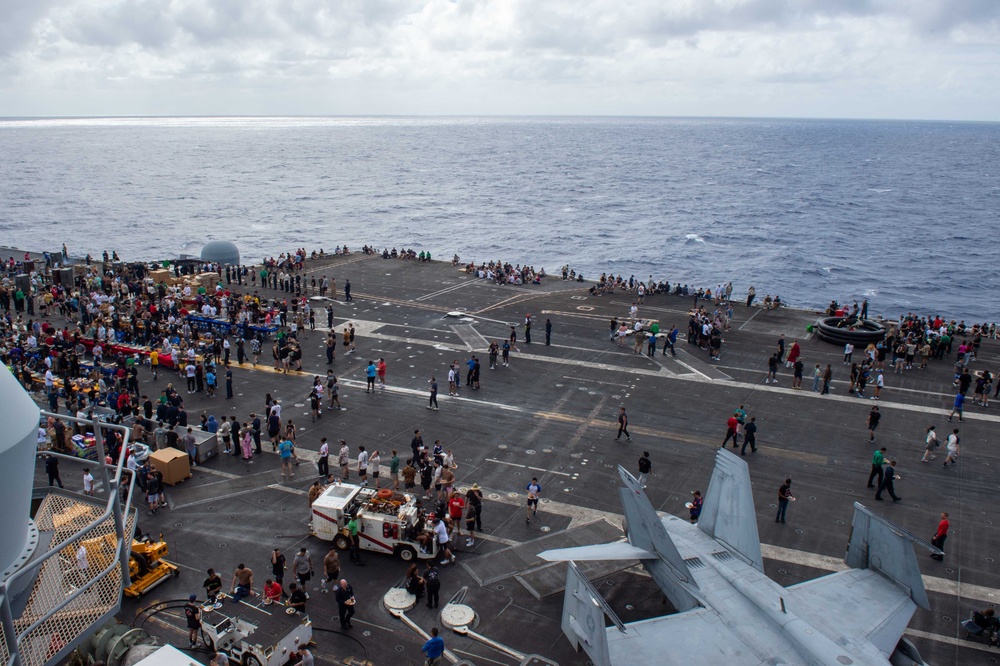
x=902 y=213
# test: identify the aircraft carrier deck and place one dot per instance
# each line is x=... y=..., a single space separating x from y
x=552 y=414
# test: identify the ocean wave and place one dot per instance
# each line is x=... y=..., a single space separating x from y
x=694 y=238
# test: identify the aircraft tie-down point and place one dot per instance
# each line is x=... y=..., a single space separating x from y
x=728 y=611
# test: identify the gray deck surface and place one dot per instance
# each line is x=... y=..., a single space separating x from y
x=551 y=414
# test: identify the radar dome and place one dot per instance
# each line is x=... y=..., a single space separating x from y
x=221 y=252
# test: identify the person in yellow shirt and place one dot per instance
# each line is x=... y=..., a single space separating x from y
x=154 y=362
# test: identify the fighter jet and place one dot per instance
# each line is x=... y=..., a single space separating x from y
x=728 y=611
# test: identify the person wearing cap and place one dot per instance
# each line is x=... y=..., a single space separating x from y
x=474 y=498
x=193 y=615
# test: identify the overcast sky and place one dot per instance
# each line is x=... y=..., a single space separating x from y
x=937 y=59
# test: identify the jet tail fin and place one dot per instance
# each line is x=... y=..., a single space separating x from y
x=645 y=529
x=583 y=617
x=727 y=513
x=879 y=544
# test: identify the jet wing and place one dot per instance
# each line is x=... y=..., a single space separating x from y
x=605 y=551
x=694 y=638
x=854 y=604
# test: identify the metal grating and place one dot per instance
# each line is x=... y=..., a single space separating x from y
x=694 y=563
x=60 y=578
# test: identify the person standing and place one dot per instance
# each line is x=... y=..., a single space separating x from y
x=278 y=566
x=952 y=447
x=772 y=370
x=548 y=331
x=827 y=378
x=433 y=648
x=781 y=347
x=534 y=490
x=848 y=353
x=302 y=568
x=370 y=373
x=879 y=385
x=441 y=533
x=225 y=433
x=527 y=329
x=229 y=382
x=874 y=417
x=343 y=460
x=285 y=451
x=347 y=291
x=784 y=497
x=331 y=347
x=363 y=465
x=645 y=465
x=623 y=425
x=52 y=469
x=433 y=584
x=751 y=294
x=345 y=595
x=375 y=463
x=331 y=569
x=750 y=436
x=255 y=426
x=323 y=462
x=474 y=500
x=671 y=341
x=193 y=616
x=88 y=482
x=940 y=536
x=432 y=403
x=878 y=459
x=394 y=469
x=380 y=370
x=817 y=376
x=888 y=483
x=354 y=529
x=694 y=506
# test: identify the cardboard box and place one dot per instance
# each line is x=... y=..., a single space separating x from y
x=173 y=464
x=209 y=280
x=162 y=275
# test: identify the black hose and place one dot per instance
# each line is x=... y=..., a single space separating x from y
x=341 y=633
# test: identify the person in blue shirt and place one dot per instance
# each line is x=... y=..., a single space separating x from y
x=433 y=648
x=285 y=450
x=371 y=370
x=534 y=490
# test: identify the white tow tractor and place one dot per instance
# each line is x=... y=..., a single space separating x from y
x=389 y=522
x=254 y=634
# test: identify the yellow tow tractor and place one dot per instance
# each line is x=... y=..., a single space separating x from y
x=146 y=566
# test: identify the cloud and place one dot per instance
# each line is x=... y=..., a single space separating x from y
x=397 y=56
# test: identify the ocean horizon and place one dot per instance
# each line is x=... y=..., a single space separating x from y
x=902 y=212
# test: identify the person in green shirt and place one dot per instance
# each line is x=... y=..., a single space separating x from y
x=353 y=526
x=394 y=470
x=877 y=461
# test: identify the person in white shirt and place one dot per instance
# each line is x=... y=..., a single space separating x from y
x=88 y=482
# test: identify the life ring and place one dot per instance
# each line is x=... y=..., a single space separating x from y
x=385 y=493
x=865 y=331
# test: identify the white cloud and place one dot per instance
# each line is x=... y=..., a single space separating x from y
x=933 y=58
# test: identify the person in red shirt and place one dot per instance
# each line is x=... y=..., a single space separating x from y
x=939 y=537
x=731 y=425
x=272 y=591
x=456 y=506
